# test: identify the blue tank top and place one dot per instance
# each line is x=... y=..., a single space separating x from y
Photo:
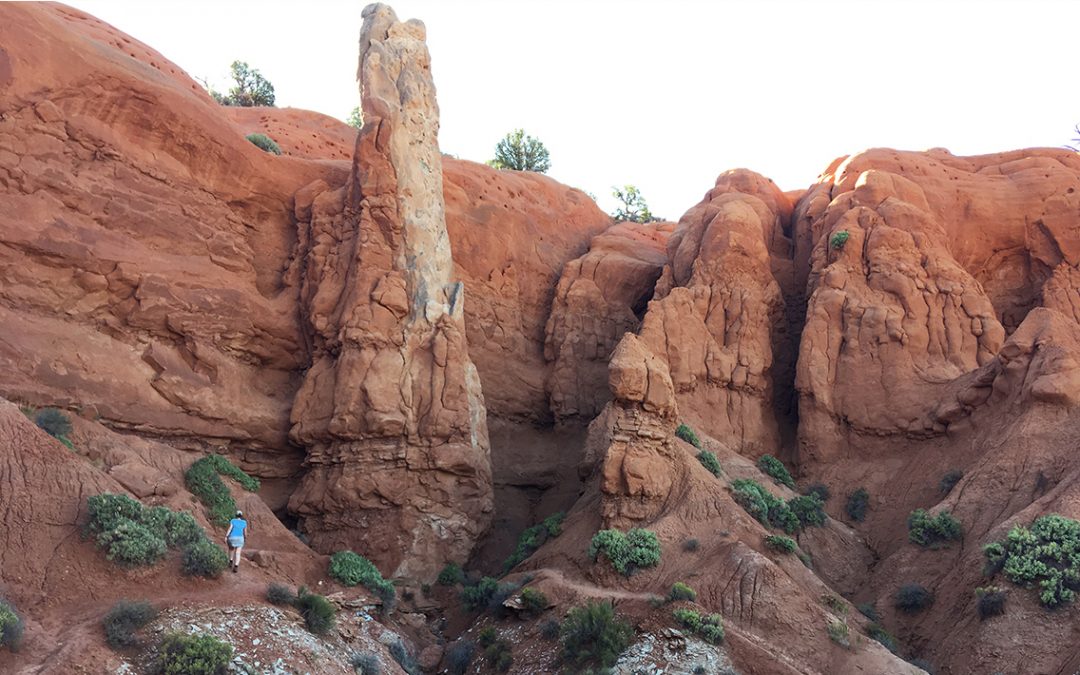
x=238 y=526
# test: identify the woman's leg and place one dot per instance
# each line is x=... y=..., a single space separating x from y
x=236 y=558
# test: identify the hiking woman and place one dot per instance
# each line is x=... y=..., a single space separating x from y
x=238 y=527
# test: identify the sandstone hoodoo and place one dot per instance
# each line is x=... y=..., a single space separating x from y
x=468 y=414
x=391 y=411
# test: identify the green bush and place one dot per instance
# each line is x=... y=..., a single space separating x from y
x=107 y=510
x=549 y=630
x=459 y=656
x=868 y=610
x=857 y=504
x=757 y=501
x=178 y=529
x=1047 y=554
x=487 y=636
x=710 y=627
x=835 y=604
x=451 y=575
x=203 y=479
x=366 y=663
x=808 y=509
x=500 y=655
x=876 y=632
x=627 y=552
x=11 y=626
x=533 y=538
x=54 y=422
x=280 y=594
x=687 y=434
x=478 y=596
x=130 y=544
x=949 y=481
x=317 y=611
x=204 y=559
x=913 y=597
x=124 y=619
x=991 y=602
x=352 y=569
x=780 y=543
x=680 y=591
x=593 y=635
x=927 y=530
x=533 y=601
x=710 y=462
x=838 y=239
x=819 y=490
x=200 y=654
x=265 y=143
x=775 y=469
x=838 y=632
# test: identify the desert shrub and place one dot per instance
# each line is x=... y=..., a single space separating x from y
x=780 y=543
x=913 y=597
x=805 y=559
x=593 y=635
x=691 y=545
x=924 y=664
x=479 y=595
x=533 y=538
x=55 y=423
x=835 y=604
x=857 y=504
x=107 y=510
x=500 y=655
x=838 y=632
x=627 y=552
x=710 y=627
x=204 y=559
x=200 y=654
x=949 y=481
x=710 y=462
x=487 y=636
x=776 y=470
x=533 y=601
x=280 y=594
x=687 y=434
x=265 y=143
x=318 y=612
x=451 y=575
x=753 y=497
x=352 y=569
x=868 y=610
x=176 y=528
x=819 y=490
x=11 y=626
x=838 y=239
x=991 y=601
x=876 y=632
x=130 y=544
x=459 y=656
x=1046 y=554
x=404 y=657
x=549 y=630
x=808 y=509
x=124 y=619
x=366 y=663
x=680 y=591
x=927 y=530
x=203 y=479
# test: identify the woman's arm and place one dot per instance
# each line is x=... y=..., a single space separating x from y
x=229 y=533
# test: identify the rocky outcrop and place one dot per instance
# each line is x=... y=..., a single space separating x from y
x=633 y=440
x=600 y=297
x=390 y=412
x=719 y=310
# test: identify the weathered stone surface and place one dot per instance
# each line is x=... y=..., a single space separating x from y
x=634 y=438
x=391 y=412
x=600 y=297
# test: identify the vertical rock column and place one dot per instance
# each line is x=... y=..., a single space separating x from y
x=390 y=412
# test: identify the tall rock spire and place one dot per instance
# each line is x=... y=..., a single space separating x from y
x=391 y=411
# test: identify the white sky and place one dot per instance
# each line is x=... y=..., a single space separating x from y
x=666 y=95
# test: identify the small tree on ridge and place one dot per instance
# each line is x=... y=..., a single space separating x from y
x=521 y=152
x=633 y=206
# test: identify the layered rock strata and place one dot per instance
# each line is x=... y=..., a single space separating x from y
x=390 y=412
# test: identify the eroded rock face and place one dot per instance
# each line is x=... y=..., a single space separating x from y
x=391 y=411
x=719 y=310
x=634 y=437
x=600 y=297
x=898 y=311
